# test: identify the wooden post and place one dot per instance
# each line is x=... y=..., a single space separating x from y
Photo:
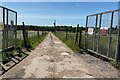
x=25 y=37
x=38 y=34
x=66 y=32
x=76 y=37
x=80 y=36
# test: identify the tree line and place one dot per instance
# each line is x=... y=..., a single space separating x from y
x=48 y=28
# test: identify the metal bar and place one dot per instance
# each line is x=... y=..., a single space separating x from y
x=95 y=39
x=8 y=9
x=3 y=40
x=110 y=37
x=100 y=55
x=104 y=12
x=16 y=30
x=6 y=30
x=85 y=42
x=118 y=46
x=98 y=41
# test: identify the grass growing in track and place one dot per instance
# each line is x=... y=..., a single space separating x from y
x=70 y=41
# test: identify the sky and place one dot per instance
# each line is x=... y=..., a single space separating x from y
x=65 y=13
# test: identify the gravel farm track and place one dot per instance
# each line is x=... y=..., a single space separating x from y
x=53 y=59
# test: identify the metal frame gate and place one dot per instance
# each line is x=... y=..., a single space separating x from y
x=104 y=45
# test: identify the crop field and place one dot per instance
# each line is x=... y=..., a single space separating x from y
x=103 y=43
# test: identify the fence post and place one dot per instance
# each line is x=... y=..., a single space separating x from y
x=76 y=37
x=66 y=32
x=54 y=25
x=80 y=36
x=25 y=37
x=118 y=48
x=38 y=34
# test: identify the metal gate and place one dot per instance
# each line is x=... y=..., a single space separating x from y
x=8 y=22
x=102 y=34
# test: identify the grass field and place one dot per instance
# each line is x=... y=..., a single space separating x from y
x=103 y=43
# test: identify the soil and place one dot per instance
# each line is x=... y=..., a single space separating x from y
x=53 y=59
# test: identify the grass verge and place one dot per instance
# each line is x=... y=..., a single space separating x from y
x=35 y=40
x=70 y=41
x=115 y=64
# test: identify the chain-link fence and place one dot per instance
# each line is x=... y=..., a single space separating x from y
x=101 y=34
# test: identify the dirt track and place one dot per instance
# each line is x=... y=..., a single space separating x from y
x=53 y=59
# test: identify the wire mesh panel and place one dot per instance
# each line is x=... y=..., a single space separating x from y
x=90 y=32
x=20 y=40
x=83 y=39
x=114 y=36
x=104 y=36
x=104 y=33
x=32 y=33
x=8 y=21
x=11 y=29
x=1 y=32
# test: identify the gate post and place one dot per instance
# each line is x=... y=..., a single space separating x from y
x=118 y=48
x=85 y=42
x=110 y=38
